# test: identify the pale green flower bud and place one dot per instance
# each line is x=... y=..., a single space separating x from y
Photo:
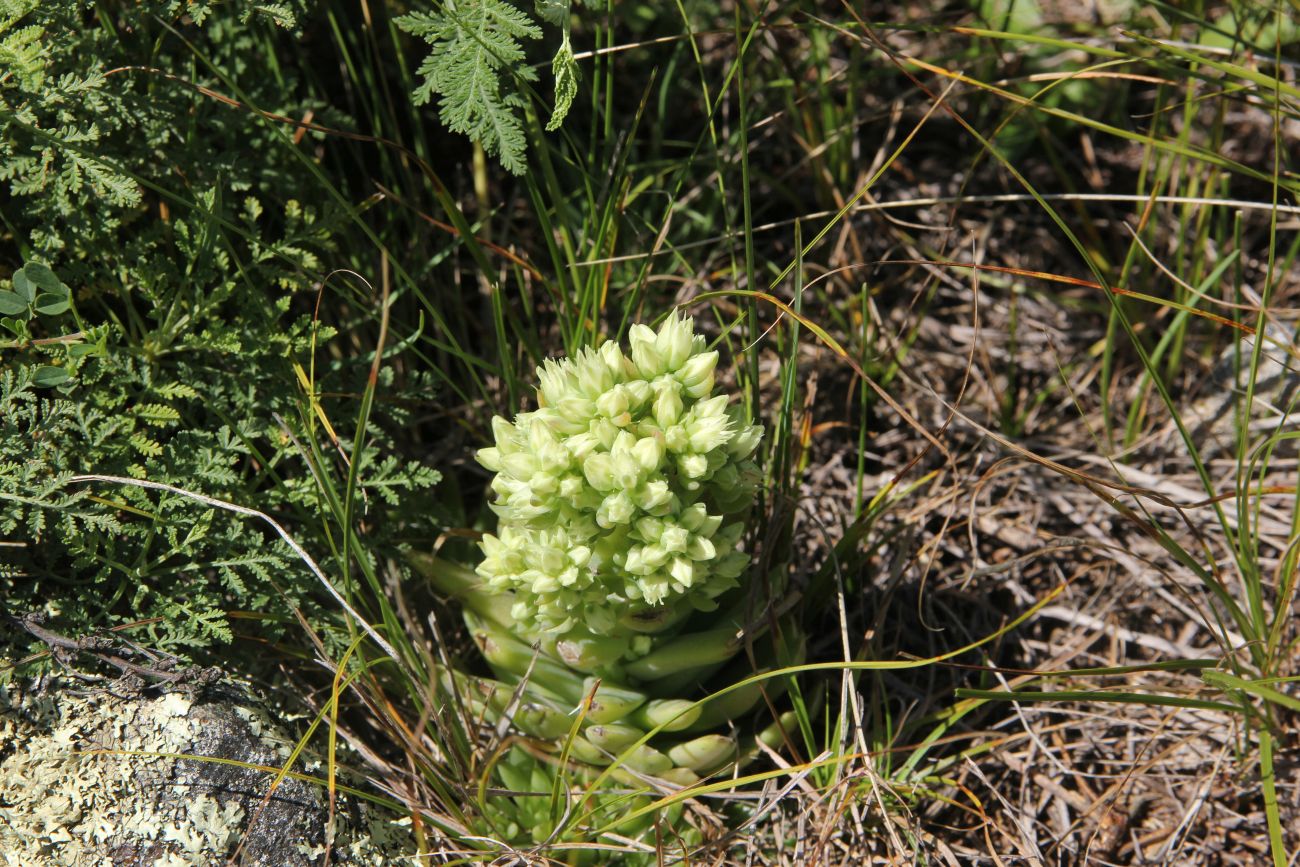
x=581 y=445
x=655 y=497
x=674 y=341
x=489 y=459
x=696 y=375
x=700 y=548
x=616 y=509
x=638 y=392
x=634 y=563
x=654 y=556
x=540 y=581
x=605 y=431
x=674 y=539
x=503 y=432
x=627 y=471
x=594 y=376
x=546 y=560
x=650 y=529
x=645 y=355
x=570 y=487
x=576 y=409
x=505 y=487
x=713 y=407
x=693 y=466
x=553 y=382
x=708 y=433
x=501 y=555
x=613 y=404
x=543 y=483
x=683 y=572
x=623 y=443
x=614 y=360
x=640 y=334
x=540 y=437
x=520 y=465
x=668 y=408
x=555 y=420
x=746 y=436
x=744 y=443
x=599 y=470
x=649 y=453
x=676 y=438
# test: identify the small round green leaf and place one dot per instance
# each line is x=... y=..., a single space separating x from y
x=11 y=303
x=48 y=375
x=51 y=304
x=42 y=276
x=24 y=286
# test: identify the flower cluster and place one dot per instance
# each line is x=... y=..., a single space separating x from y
x=625 y=492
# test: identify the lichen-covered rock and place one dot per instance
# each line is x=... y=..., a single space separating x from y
x=91 y=778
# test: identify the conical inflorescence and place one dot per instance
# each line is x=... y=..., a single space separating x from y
x=622 y=498
x=616 y=585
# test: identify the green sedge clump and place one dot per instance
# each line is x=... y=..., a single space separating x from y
x=623 y=497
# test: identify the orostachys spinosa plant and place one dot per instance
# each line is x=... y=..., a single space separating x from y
x=616 y=589
x=623 y=497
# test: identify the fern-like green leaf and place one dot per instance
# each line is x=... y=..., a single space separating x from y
x=21 y=54
x=176 y=391
x=554 y=12
x=475 y=44
x=145 y=446
x=157 y=414
x=191 y=389
x=564 y=68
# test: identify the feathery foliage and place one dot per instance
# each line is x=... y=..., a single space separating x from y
x=476 y=60
x=156 y=323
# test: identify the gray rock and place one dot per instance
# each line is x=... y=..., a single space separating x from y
x=88 y=777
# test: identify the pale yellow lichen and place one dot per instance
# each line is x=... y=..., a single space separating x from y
x=66 y=805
